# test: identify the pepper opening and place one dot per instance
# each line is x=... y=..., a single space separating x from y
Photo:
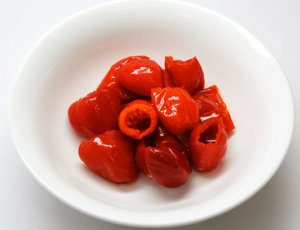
x=209 y=135
x=138 y=119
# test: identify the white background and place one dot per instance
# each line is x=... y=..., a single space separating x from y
x=25 y=205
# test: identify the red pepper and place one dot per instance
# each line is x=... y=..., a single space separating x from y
x=208 y=142
x=210 y=103
x=164 y=160
x=95 y=113
x=150 y=140
x=176 y=109
x=140 y=76
x=138 y=119
x=111 y=79
x=186 y=74
x=111 y=156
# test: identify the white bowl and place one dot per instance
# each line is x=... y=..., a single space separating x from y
x=71 y=59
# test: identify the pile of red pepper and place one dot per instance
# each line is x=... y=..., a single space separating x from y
x=159 y=121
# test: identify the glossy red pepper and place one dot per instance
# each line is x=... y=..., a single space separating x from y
x=95 y=113
x=140 y=76
x=111 y=79
x=164 y=160
x=208 y=142
x=210 y=103
x=138 y=119
x=111 y=156
x=186 y=74
x=176 y=109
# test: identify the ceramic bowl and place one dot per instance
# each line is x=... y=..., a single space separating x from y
x=72 y=58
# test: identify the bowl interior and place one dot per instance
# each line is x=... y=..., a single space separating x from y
x=71 y=60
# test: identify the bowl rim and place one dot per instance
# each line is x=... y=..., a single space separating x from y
x=124 y=221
